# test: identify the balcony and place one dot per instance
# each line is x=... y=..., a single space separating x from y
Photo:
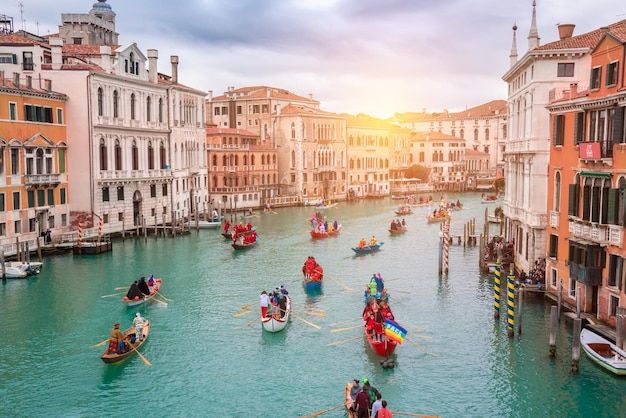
x=591 y=276
x=591 y=231
x=554 y=219
x=42 y=180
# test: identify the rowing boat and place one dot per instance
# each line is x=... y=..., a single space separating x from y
x=603 y=352
x=349 y=411
x=319 y=235
x=138 y=301
x=276 y=323
x=131 y=346
x=368 y=248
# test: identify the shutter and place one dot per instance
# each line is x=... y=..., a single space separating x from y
x=579 y=127
x=554 y=130
x=14 y=59
x=586 y=202
x=613 y=207
x=571 y=200
x=618 y=126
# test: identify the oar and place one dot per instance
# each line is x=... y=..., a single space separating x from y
x=414 y=327
x=237 y=315
x=345 y=329
x=416 y=415
x=145 y=360
x=306 y=322
x=99 y=344
x=345 y=322
x=121 y=288
x=255 y=319
x=160 y=301
x=163 y=296
x=247 y=306
x=312 y=313
x=316 y=414
x=419 y=346
x=307 y=307
x=340 y=284
x=344 y=341
x=113 y=294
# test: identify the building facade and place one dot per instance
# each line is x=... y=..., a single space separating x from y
x=587 y=181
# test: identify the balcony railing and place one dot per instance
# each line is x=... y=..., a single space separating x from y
x=591 y=276
x=42 y=179
x=590 y=231
x=554 y=219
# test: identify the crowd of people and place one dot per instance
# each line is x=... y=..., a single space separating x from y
x=397 y=225
x=323 y=226
x=312 y=270
x=274 y=303
x=403 y=209
x=141 y=288
x=244 y=234
x=119 y=342
x=377 y=309
x=536 y=275
x=367 y=401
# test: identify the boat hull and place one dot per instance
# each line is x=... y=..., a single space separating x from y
x=241 y=247
x=146 y=298
x=272 y=324
x=111 y=358
x=368 y=248
x=435 y=219
x=311 y=285
x=322 y=235
x=397 y=231
x=383 y=348
x=603 y=352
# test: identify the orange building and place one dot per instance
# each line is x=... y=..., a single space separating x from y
x=587 y=186
x=243 y=171
x=33 y=166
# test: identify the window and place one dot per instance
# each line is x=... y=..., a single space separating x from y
x=579 y=127
x=40 y=198
x=553 y=275
x=255 y=109
x=105 y=194
x=565 y=69
x=8 y=59
x=120 y=216
x=27 y=61
x=616 y=270
x=103 y=155
x=118 y=156
x=572 y=288
x=558 y=130
x=239 y=110
x=135 y=156
x=612 y=73
x=2 y=203
x=3 y=228
x=60 y=116
x=153 y=190
x=17 y=225
x=120 y=193
x=224 y=110
x=100 y=101
x=557 y=192
x=613 y=305
x=50 y=197
x=596 y=78
x=132 y=106
x=150 y=156
x=148 y=108
x=162 y=157
x=38 y=114
x=116 y=104
x=105 y=218
x=160 y=110
x=165 y=190
x=216 y=111
x=15 y=161
x=13 y=111
x=62 y=197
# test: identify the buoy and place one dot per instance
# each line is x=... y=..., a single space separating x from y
x=126 y=298
x=136 y=297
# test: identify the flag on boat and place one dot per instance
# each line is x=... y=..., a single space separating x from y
x=394 y=331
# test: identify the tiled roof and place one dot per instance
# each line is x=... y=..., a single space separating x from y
x=213 y=130
x=71 y=49
x=434 y=136
x=492 y=108
x=17 y=40
x=7 y=83
x=366 y=121
x=292 y=109
x=472 y=151
x=589 y=39
x=261 y=92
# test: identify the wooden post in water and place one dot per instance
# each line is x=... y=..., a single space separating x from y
x=156 y=226
x=554 y=320
x=577 y=302
x=510 y=296
x=145 y=228
x=197 y=223
x=2 y=265
x=481 y=254
x=559 y=299
x=520 y=300
x=38 y=249
x=620 y=325
x=576 y=345
x=440 y=252
x=17 y=249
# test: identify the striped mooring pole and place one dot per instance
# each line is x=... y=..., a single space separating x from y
x=510 y=295
x=446 y=245
x=80 y=233
x=496 y=290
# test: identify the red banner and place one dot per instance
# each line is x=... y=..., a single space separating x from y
x=589 y=151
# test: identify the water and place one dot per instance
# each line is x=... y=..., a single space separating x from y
x=207 y=362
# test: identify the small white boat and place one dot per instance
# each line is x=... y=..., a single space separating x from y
x=14 y=270
x=36 y=265
x=212 y=224
x=603 y=352
x=275 y=324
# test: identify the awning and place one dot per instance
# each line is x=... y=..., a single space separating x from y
x=595 y=174
x=581 y=241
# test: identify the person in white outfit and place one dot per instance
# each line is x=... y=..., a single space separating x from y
x=138 y=324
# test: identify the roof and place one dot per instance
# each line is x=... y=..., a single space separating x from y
x=492 y=108
x=9 y=84
x=261 y=92
x=18 y=40
x=434 y=136
x=472 y=151
x=292 y=109
x=589 y=39
x=213 y=130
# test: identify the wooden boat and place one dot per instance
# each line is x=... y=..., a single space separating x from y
x=320 y=235
x=603 y=352
x=350 y=413
x=155 y=289
x=273 y=324
x=398 y=231
x=490 y=198
x=131 y=347
x=384 y=347
x=408 y=211
x=432 y=219
x=368 y=248
x=245 y=246
x=228 y=235
x=312 y=285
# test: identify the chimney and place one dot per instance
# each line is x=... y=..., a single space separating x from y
x=310 y=96
x=29 y=82
x=16 y=80
x=105 y=55
x=566 y=30
x=2 y=77
x=573 y=90
x=153 y=56
x=48 y=85
x=210 y=96
x=174 y=61
x=56 y=45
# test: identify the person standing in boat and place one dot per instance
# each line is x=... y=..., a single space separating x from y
x=143 y=286
x=134 y=293
x=138 y=324
x=383 y=412
x=116 y=340
x=362 y=403
x=354 y=390
x=264 y=301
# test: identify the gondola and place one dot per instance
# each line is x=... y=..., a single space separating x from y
x=408 y=211
x=276 y=323
x=368 y=248
x=131 y=347
x=153 y=292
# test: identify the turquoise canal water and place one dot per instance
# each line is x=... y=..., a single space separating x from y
x=207 y=362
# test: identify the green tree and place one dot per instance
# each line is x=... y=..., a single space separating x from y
x=417 y=172
x=499 y=184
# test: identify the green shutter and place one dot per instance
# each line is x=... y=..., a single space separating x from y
x=41 y=201
x=50 y=197
x=554 y=130
x=613 y=206
x=61 y=157
x=618 y=126
x=14 y=59
x=1 y=202
x=586 y=202
x=62 y=196
x=579 y=127
x=31 y=199
x=572 y=207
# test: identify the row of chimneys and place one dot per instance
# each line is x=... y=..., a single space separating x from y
x=29 y=81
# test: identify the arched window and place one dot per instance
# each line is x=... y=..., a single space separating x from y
x=135 y=156
x=252 y=160
x=293 y=159
x=160 y=110
x=103 y=155
x=293 y=130
x=462 y=134
x=487 y=134
x=557 y=191
x=100 y=102
x=475 y=134
x=263 y=159
x=150 y=156
x=116 y=104
x=132 y=106
x=148 y=109
x=214 y=161
x=118 y=155
x=162 y=156
x=224 y=161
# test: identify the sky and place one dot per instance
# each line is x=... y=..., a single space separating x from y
x=377 y=57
